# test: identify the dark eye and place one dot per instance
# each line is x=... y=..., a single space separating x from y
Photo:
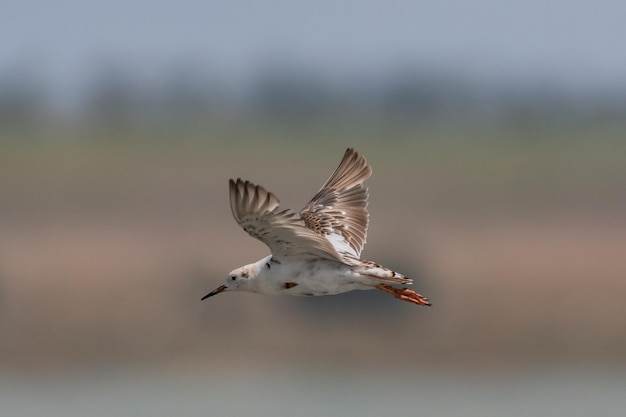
x=233 y=277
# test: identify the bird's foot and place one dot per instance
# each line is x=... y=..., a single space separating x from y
x=404 y=294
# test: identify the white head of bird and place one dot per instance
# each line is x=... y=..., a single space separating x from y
x=244 y=278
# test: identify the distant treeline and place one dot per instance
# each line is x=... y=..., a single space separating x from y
x=117 y=98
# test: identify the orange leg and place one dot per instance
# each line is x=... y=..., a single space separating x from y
x=404 y=294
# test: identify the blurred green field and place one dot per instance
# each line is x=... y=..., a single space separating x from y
x=108 y=243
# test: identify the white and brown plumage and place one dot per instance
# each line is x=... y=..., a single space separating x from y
x=317 y=251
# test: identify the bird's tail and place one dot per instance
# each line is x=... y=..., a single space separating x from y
x=404 y=294
x=385 y=276
x=373 y=270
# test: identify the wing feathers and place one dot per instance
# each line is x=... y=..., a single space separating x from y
x=352 y=169
x=333 y=225
x=257 y=211
x=340 y=206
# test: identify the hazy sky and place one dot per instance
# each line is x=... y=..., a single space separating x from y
x=570 y=42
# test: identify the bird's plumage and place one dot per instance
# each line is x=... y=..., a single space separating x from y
x=339 y=209
x=316 y=251
x=257 y=211
x=333 y=225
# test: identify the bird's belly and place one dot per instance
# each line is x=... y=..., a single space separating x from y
x=314 y=278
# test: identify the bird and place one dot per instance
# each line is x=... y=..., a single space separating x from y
x=318 y=250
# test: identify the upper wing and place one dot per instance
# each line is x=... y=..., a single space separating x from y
x=339 y=210
x=257 y=211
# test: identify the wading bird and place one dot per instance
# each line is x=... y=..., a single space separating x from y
x=317 y=251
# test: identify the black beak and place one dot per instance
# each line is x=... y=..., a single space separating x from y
x=215 y=291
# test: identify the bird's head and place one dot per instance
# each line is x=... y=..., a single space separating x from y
x=241 y=279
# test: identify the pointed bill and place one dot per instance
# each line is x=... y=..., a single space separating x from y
x=216 y=291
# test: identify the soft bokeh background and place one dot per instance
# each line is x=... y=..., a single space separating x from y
x=496 y=134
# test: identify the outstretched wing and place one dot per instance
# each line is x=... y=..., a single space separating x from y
x=339 y=210
x=257 y=211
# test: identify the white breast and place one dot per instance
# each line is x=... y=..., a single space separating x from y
x=310 y=277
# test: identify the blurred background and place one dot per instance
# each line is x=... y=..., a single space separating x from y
x=496 y=134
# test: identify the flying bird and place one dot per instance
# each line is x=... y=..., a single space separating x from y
x=318 y=250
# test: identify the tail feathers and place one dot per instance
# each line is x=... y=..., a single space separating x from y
x=386 y=276
x=404 y=294
x=397 y=279
x=373 y=270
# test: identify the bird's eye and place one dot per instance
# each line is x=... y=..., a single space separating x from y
x=232 y=277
